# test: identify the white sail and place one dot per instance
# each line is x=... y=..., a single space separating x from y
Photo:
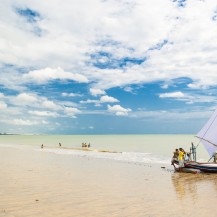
x=208 y=134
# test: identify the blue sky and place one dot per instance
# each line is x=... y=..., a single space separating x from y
x=107 y=66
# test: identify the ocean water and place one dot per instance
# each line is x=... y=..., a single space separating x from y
x=154 y=148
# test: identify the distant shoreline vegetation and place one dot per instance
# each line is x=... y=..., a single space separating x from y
x=6 y=134
x=12 y=134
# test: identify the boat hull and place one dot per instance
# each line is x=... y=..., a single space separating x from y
x=204 y=167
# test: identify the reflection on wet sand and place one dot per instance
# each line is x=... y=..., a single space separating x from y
x=191 y=185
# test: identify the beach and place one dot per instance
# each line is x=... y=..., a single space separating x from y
x=63 y=182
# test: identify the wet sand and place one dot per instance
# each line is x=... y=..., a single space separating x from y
x=37 y=183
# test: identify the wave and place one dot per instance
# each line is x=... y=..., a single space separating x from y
x=134 y=157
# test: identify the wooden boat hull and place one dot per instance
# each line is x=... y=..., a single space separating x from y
x=187 y=170
x=204 y=167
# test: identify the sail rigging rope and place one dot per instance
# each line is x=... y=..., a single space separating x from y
x=206 y=140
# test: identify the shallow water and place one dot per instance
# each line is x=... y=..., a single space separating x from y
x=156 y=146
x=67 y=183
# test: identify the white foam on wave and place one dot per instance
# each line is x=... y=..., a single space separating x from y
x=134 y=157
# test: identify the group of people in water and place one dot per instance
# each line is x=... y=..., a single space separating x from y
x=85 y=145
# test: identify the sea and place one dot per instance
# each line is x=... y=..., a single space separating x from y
x=147 y=148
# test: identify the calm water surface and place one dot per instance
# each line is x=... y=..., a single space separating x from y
x=155 y=146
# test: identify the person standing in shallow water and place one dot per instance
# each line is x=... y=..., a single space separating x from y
x=215 y=157
x=42 y=146
x=60 y=144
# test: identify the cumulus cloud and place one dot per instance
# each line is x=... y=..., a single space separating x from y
x=1 y=95
x=3 y=105
x=50 y=105
x=25 y=98
x=47 y=74
x=34 y=101
x=172 y=95
x=119 y=110
x=188 y=98
x=71 y=112
x=43 y=113
x=96 y=92
x=103 y=99
x=22 y=122
x=106 y=98
x=71 y=94
x=88 y=101
x=170 y=50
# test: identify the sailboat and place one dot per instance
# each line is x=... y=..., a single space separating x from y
x=208 y=137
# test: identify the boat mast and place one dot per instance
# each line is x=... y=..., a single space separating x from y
x=193 y=151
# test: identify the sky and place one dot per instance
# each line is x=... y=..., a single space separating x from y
x=107 y=66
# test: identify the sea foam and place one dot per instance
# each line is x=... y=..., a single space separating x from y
x=134 y=157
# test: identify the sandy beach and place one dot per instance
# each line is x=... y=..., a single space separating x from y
x=39 y=183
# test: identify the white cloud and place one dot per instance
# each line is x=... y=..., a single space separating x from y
x=72 y=112
x=119 y=110
x=44 y=75
x=3 y=105
x=88 y=101
x=96 y=92
x=103 y=99
x=106 y=98
x=129 y=89
x=36 y=102
x=50 y=105
x=189 y=98
x=25 y=98
x=1 y=95
x=199 y=85
x=43 y=113
x=22 y=122
x=177 y=114
x=71 y=94
x=126 y=24
x=165 y=86
x=172 y=95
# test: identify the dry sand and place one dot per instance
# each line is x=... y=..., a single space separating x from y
x=37 y=183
